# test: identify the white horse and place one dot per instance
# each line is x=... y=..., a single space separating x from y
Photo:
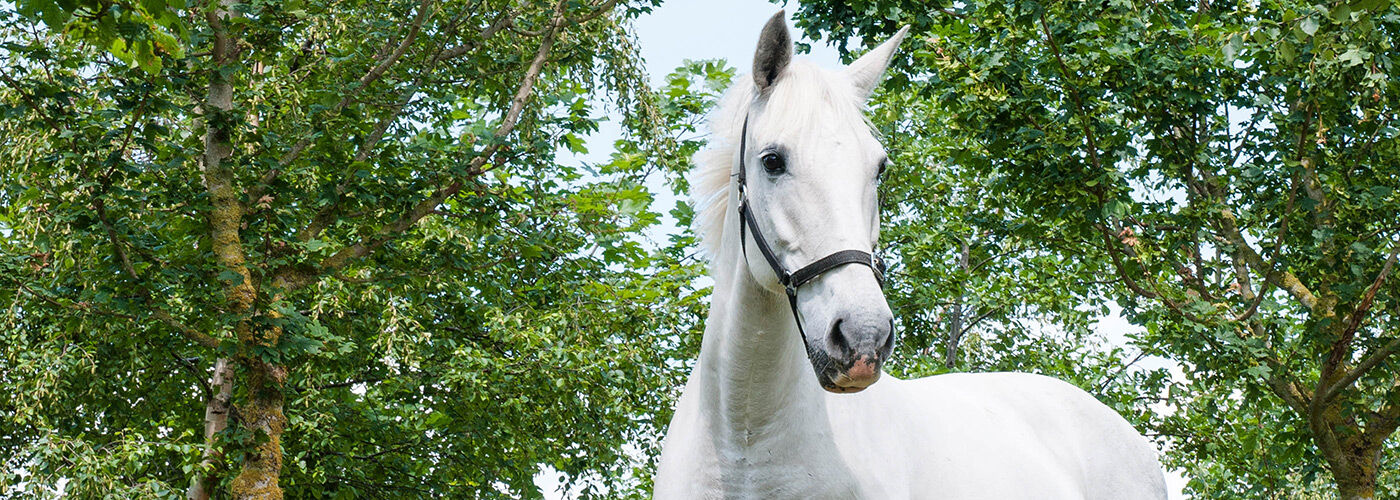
x=793 y=150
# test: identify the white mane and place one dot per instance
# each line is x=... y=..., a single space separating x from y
x=805 y=93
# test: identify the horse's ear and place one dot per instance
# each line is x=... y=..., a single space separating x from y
x=774 y=51
x=865 y=73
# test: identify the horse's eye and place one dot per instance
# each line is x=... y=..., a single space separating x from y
x=773 y=163
x=883 y=163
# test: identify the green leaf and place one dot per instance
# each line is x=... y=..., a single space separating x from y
x=54 y=15
x=231 y=277
x=1308 y=25
x=1232 y=47
x=1286 y=51
x=1353 y=57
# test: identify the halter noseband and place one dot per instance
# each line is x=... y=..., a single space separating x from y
x=791 y=281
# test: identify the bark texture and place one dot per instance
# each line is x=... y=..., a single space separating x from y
x=263 y=465
x=216 y=412
x=956 y=312
x=262 y=414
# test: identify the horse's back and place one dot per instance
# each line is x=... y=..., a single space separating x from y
x=1015 y=435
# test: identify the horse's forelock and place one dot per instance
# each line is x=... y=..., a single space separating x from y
x=805 y=94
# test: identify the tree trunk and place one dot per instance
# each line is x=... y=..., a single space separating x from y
x=262 y=414
x=263 y=465
x=1352 y=456
x=215 y=420
x=1357 y=488
x=955 y=316
x=1354 y=466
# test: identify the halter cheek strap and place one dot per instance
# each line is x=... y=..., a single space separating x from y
x=791 y=281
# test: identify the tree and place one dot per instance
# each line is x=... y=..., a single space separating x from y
x=1233 y=165
x=356 y=218
x=974 y=275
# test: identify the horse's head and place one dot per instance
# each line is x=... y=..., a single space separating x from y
x=810 y=170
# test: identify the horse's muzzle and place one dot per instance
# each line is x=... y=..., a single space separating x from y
x=853 y=355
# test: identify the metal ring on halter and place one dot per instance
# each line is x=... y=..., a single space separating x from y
x=794 y=280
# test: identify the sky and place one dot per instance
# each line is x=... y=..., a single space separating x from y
x=728 y=29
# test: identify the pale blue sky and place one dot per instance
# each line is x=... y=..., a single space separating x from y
x=694 y=29
x=699 y=29
x=708 y=29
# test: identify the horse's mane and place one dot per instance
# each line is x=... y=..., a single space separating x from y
x=805 y=93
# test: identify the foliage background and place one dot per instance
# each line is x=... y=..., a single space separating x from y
x=539 y=321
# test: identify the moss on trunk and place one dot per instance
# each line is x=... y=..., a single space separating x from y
x=263 y=464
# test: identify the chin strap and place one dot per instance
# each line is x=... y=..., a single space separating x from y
x=791 y=281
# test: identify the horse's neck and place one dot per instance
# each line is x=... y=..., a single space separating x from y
x=759 y=382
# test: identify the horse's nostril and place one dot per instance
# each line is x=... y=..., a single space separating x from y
x=840 y=345
x=887 y=346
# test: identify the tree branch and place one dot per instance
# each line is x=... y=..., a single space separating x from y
x=1387 y=419
x=1290 y=393
x=1114 y=253
x=85 y=308
x=502 y=21
x=145 y=292
x=1285 y=280
x=508 y=122
x=979 y=319
x=326 y=215
x=1109 y=380
x=1073 y=94
x=1365 y=306
x=1368 y=362
x=1341 y=347
x=1278 y=253
x=368 y=78
x=28 y=99
x=378 y=71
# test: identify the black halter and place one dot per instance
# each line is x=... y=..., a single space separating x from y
x=791 y=281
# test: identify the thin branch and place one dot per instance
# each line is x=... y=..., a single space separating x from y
x=1111 y=246
x=475 y=168
x=195 y=372
x=378 y=71
x=85 y=308
x=1104 y=385
x=1114 y=253
x=28 y=99
x=1278 y=253
x=1291 y=394
x=503 y=20
x=605 y=8
x=1367 y=363
x=1341 y=348
x=366 y=80
x=326 y=215
x=979 y=319
x=81 y=307
x=1074 y=94
x=1244 y=137
x=1387 y=419
x=1366 y=301
x=142 y=288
